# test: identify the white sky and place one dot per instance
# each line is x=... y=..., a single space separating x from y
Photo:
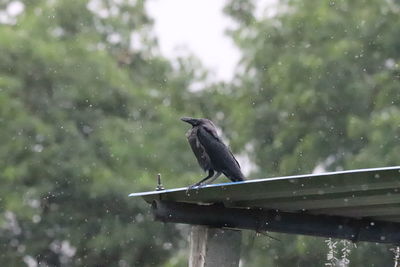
x=197 y=27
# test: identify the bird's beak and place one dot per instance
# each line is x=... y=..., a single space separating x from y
x=189 y=120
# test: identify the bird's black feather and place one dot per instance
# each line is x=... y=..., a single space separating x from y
x=198 y=150
x=211 y=153
x=220 y=156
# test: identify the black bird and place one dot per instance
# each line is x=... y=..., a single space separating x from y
x=211 y=153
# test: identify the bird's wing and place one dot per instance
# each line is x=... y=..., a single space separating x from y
x=237 y=162
x=221 y=157
x=211 y=130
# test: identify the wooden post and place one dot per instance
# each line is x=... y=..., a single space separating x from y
x=217 y=247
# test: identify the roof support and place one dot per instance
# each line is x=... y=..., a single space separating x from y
x=216 y=215
x=214 y=247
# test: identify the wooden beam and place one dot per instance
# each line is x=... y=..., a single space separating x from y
x=217 y=247
x=362 y=211
x=216 y=215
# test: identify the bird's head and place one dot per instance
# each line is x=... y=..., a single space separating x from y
x=192 y=121
x=197 y=122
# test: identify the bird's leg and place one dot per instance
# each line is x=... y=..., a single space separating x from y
x=218 y=174
x=210 y=174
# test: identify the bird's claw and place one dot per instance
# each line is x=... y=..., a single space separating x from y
x=192 y=187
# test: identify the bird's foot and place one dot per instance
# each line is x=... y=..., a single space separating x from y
x=198 y=185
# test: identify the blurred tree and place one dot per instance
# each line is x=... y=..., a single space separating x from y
x=89 y=112
x=317 y=88
x=322 y=82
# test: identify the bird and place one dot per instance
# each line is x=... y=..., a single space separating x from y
x=212 y=154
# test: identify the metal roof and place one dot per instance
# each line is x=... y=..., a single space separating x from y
x=372 y=194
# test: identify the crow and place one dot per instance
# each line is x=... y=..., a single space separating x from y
x=211 y=153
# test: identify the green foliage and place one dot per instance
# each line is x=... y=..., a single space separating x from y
x=321 y=80
x=319 y=88
x=86 y=120
x=89 y=113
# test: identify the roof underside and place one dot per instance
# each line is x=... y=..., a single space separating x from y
x=369 y=193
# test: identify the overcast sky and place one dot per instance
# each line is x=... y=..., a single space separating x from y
x=198 y=27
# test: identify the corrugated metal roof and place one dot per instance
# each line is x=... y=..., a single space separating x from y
x=367 y=193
